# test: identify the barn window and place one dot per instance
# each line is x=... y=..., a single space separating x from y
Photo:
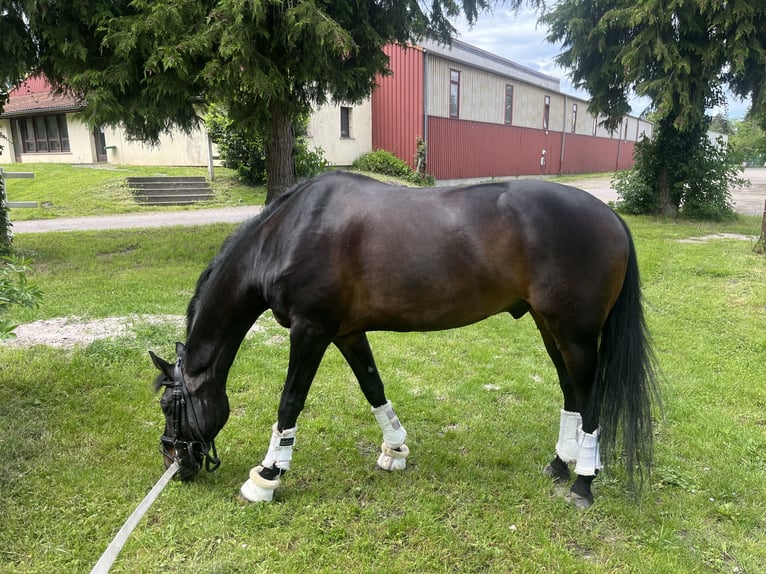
x=44 y=134
x=546 y=112
x=508 y=104
x=454 y=93
x=345 y=122
x=574 y=118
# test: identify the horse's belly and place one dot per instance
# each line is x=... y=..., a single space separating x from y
x=427 y=309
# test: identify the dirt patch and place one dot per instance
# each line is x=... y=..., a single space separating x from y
x=706 y=238
x=69 y=332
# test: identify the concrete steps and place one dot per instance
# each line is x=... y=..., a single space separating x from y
x=170 y=190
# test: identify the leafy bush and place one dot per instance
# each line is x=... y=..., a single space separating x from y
x=15 y=290
x=706 y=194
x=309 y=162
x=386 y=163
x=636 y=195
x=699 y=186
x=246 y=152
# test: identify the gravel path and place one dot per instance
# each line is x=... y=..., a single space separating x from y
x=138 y=220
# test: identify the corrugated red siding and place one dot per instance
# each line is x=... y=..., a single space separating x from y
x=583 y=154
x=459 y=149
x=397 y=104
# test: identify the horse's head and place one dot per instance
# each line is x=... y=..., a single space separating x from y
x=193 y=417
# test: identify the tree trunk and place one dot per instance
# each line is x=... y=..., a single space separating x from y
x=6 y=237
x=280 y=165
x=667 y=205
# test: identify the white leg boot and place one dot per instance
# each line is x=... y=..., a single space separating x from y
x=568 y=445
x=394 y=452
x=279 y=455
x=588 y=455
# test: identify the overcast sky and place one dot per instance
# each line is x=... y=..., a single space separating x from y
x=516 y=36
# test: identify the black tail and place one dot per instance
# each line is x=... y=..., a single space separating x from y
x=626 y=384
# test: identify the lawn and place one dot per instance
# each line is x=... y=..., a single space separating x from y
x=79 y=431
x=63 y=190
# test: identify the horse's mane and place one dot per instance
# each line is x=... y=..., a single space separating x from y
x=238 y=235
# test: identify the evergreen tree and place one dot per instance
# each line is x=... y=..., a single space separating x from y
x=679 y=53
x=151 y=65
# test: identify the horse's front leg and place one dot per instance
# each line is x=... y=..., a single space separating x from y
x=356 y=350
x=307 y=346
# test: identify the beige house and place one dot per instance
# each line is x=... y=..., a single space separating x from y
x=37 y=126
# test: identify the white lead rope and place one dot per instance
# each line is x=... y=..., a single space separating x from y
x=110 y=554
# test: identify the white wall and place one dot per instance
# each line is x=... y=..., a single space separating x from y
x=6 y=154
x=176 y=149
x=324 y=132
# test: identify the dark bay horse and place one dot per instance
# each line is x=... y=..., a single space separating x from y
x=343 y=254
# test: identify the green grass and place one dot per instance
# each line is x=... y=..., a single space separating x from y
x=72 y=191
x=79 y=432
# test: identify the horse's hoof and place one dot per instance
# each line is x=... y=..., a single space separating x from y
x=258 y=489
x=393 y=459
x=578 y=501
x=254 y=493
x=558 y=470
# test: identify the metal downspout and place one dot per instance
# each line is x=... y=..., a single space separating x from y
x=563 y=136
x=425 y=105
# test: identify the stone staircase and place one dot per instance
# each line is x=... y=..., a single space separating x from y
x=170 y=190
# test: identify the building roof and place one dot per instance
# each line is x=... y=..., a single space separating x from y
x=36 y=95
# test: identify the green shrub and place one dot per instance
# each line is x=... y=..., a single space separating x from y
x=386 y=163
x=698 y=188
x=706 y=193
x=309 y=162
x=246 y=152
x=15 y=290
x=636 y=195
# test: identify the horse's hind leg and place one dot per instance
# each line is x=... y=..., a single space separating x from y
x=356 y=350
x=570 y=419
x=307 y=346
x=578 y=436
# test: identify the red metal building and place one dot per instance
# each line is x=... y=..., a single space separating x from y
x=483 y=116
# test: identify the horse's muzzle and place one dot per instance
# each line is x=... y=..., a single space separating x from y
x=188 y=458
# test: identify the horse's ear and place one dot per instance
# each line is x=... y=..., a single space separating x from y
x=165 y=368
x=180 y=350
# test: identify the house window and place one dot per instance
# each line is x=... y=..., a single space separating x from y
x=345 y=122
x=508 y=104
x=574 y=118
x=454 y=93
x=546 y=112
x=44 y=134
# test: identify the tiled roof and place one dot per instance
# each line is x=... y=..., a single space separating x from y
x=35 y=95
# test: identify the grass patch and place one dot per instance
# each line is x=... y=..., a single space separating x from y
x=79 y=432
x=64 y=190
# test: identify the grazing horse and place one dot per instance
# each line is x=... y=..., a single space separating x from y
x=343 y=254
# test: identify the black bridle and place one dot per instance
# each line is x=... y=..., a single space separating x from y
x=196 y=449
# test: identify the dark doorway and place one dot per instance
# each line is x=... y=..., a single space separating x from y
x=100 y=142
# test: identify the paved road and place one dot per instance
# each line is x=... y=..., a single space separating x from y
x=748 y=201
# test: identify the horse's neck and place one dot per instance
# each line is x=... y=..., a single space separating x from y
x=216 y=335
